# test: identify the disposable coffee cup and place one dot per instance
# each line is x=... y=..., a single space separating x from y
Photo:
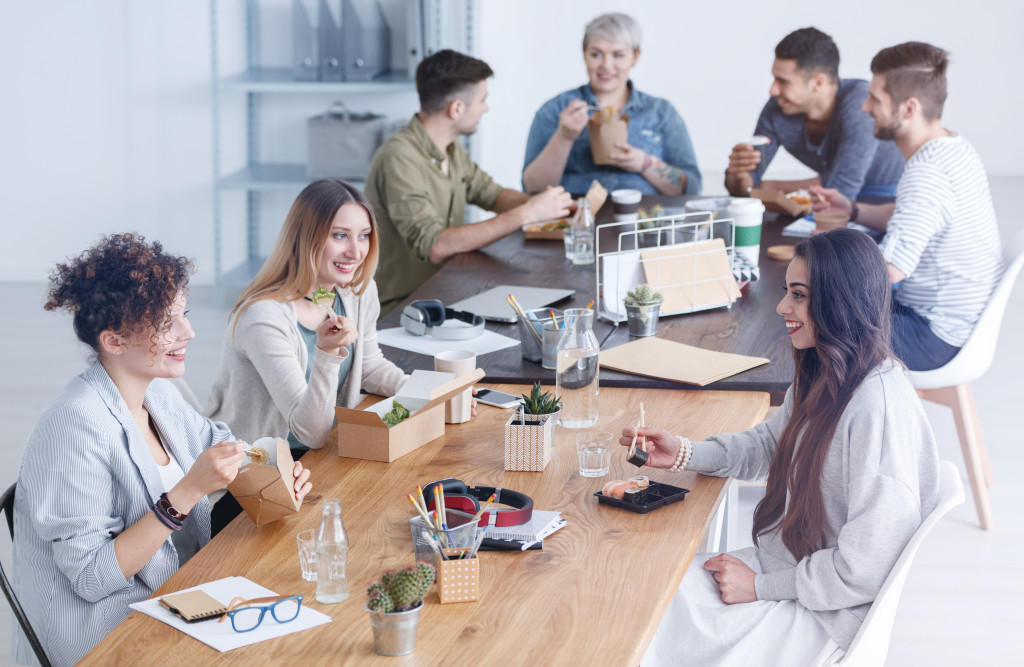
x=760 y=144
x=625 y=204
x=458 y=409
x=746 y=214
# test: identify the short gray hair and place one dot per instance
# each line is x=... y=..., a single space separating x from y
x=614 y=27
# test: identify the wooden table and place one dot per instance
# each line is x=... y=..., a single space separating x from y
x=750 y=327
x=594 y=595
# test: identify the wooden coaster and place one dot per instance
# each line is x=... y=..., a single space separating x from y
x=782 y=253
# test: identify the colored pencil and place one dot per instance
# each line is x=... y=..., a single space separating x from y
x=590 y=305
x=419 y=509
x=554 y=320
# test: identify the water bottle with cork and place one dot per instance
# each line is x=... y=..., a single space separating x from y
x=332 y=555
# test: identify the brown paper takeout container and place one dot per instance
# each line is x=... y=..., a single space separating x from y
x=604 y=134
x=265 y=491
x=362 y=434
x=596 y=196
x=776 y=201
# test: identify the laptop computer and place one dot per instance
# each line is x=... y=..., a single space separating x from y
x=491 y=304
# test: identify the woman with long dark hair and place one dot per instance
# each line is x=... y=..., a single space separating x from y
x=851 y=469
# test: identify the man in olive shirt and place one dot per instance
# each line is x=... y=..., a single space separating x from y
x=422 y=178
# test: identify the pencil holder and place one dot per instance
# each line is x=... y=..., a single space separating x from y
x=460 y=534
x=528 y=445
x=530 y=346
x=458 y=580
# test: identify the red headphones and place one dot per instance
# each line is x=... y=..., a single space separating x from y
x=458 y=496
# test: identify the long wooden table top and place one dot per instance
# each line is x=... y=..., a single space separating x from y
x=751 y=326
x=594 y=595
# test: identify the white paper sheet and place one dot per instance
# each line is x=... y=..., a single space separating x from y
x=486 y=342
x=221 y=636
x=803 y=227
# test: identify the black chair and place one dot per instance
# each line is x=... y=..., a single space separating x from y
x=7 y=506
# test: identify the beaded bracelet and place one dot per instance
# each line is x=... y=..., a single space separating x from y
x=683 y=455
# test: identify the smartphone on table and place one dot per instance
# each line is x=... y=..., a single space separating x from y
x=497 y=399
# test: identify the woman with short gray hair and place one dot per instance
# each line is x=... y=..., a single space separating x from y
x=658 y=156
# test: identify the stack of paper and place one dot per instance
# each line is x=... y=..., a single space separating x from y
x=540 y=525
x=656 y=357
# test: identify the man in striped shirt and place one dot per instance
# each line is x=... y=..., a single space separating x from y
x=941 y=243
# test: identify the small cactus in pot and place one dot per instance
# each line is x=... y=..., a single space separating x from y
x=643 y=295
x=643 y=306
x=400 y=590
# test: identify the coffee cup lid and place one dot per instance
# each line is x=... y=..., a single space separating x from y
x=627 y=196
x=758 y=140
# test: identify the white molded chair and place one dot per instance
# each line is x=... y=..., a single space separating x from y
x=871 y=643
x=950 y=384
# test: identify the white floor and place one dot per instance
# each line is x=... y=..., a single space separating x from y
x=964 y=599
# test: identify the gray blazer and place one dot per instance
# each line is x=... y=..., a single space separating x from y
x=87 y=475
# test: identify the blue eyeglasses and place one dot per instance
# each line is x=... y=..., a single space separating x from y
x=246 y=616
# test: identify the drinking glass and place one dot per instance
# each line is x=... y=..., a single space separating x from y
x=307 y=553
x=594 y=451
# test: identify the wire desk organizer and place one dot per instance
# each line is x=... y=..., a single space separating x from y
x=689 y=256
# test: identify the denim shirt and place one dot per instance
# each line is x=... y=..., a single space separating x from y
x=655 y=127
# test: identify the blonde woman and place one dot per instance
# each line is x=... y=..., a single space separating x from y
x=287 y=360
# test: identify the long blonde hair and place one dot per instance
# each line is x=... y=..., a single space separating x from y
x=291 y=270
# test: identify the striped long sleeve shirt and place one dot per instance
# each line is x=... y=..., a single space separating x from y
x=943 y=237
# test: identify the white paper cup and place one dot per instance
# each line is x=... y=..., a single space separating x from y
x=747 y=214
x=458 y=409
x=626 y=201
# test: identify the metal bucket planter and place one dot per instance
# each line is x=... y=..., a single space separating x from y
x=643 y=320
x=394 y=633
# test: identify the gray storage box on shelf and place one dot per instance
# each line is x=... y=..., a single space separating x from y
x=342 y=143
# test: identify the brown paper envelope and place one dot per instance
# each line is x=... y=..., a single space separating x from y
x=604 y=136
x=265 y=492
x=776 y=201
x=660 y=358
x=691 y=276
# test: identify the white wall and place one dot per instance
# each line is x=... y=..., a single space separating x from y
x=105 y=122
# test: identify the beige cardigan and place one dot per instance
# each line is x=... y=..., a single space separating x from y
x=260 y=387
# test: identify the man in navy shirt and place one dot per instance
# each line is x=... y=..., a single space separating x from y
x=817 y=117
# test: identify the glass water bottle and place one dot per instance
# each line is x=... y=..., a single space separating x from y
x=583 y=235
x=332 y=555
x=576 y=370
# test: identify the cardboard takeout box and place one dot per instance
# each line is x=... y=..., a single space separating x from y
x=265 y=492
x=605 y=134
x=776 y=201
x=362 y=434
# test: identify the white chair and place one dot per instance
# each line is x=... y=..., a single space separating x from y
x=871 y=643
x=950 y=384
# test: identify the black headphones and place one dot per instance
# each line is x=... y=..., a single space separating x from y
x=425 y=317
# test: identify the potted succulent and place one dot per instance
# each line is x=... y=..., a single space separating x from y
x=643 y=306
x=530 y=431
x=394 y=604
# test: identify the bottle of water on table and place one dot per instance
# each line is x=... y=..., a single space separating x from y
x=332 y=555
x=576 y=370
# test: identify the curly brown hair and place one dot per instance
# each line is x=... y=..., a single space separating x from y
x=123 y=284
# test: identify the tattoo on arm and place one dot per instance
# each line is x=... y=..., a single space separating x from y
x=669 y=173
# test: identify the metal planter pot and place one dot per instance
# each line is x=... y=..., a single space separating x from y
x=643 y=320
x=395 y=633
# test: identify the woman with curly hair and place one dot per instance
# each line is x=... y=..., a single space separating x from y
x=111 y=497
x=289 y=359
x=851 y=467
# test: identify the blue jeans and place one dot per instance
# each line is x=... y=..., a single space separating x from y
x=914 y=343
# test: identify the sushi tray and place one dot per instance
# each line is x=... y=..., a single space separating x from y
x=646 y=500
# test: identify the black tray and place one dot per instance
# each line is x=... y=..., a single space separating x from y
x=658 y=495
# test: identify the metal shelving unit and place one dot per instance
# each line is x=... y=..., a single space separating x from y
x=256 y=81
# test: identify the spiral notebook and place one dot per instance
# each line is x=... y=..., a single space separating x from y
x=192 y=606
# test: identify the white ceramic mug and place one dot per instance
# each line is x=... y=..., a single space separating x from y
x=458 y=409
